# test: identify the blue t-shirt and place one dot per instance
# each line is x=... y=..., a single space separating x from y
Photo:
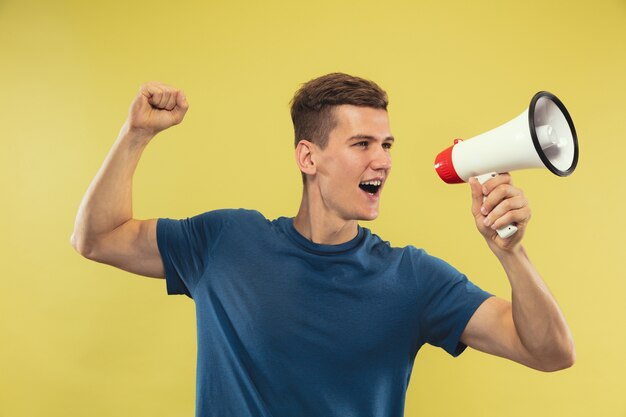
x=287 y=327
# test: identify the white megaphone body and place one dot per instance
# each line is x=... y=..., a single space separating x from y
x=543 y=136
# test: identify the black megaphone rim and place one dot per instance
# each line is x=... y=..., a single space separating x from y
x=533 y=133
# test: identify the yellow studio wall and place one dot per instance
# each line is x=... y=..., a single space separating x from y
x=80 y=338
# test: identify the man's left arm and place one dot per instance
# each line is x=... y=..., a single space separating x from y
x=531 y=328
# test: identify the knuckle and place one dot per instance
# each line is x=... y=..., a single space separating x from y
x=510 y=189
x=504 y=206
x=504 y=220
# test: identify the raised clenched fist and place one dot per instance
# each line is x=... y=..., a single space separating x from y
x=157 y=107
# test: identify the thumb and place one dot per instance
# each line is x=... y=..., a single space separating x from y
x=178 y=113
x=181 y=100
x=477 y=196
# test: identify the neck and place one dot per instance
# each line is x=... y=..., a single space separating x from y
x=315 y=222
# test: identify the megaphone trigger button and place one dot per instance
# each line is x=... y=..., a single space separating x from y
x=457 y=140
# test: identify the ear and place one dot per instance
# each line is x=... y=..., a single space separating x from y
x=305 y=157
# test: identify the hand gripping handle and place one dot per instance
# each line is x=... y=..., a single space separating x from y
x=508 y=230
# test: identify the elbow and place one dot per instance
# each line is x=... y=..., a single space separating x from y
x=82 y=245
x=565 y=359
x=569 y=358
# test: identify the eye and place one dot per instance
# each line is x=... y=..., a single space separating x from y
x=362 y=144
x=387 y=145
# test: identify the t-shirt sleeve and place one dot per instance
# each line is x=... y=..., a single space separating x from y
x=185 y=246
x=450 y=300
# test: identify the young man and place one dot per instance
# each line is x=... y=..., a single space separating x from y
x=315 y=315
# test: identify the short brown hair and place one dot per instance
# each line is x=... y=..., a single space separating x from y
x=312 y=105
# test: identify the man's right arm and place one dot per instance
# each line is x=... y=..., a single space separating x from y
x=105 y=230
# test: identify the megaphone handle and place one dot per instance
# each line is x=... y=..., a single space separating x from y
x=508 y=230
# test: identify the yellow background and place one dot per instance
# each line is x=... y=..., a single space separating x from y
x=83 y=339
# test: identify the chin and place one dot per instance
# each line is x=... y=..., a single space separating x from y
x=368 y=217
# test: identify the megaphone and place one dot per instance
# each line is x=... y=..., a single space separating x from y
x=543 y=136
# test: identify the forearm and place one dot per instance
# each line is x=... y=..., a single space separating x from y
x=538 y=319
x=107 y=203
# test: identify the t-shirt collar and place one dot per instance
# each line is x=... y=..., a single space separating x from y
x=292 y=232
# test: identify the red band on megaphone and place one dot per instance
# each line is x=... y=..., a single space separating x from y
x=445 y=167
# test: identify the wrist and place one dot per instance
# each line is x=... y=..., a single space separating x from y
x=508 y=255
x=135 y=136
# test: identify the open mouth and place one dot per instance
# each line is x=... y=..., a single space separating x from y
x=370 y=187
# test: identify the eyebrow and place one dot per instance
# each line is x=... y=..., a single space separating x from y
x=370 y=137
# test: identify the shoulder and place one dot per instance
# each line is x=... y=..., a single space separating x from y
x=239 y=215
x=427 y=262
x=225 y=216
x=211 y=223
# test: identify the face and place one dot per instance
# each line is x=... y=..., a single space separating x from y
x=351 y=171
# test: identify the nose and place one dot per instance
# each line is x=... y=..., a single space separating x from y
x=381 y=160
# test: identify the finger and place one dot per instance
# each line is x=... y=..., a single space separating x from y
x=519 y=217
x=164 y=98
x=502 y=210
x=495 y=182
x=497 y=195
x=154 y=95
x=171 y=100
x=148 y=89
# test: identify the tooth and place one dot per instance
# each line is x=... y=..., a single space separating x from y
x=372 y=182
